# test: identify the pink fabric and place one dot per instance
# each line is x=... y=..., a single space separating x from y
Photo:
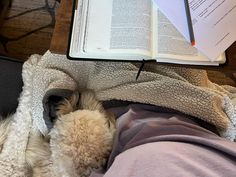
x=162 y=159
x=150 y=143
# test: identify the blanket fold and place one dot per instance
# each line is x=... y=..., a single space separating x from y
x=180 y=88
x=186 y=90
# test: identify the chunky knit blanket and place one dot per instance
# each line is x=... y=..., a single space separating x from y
x=182 y=89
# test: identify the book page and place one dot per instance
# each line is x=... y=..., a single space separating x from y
x=214 y=23
x=176 y=13
x=118 y=26
x=171 y=44
x=79 y=21
x=131 y=24
x=170 y=40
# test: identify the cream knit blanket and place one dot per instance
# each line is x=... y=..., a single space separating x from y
x=186 y=90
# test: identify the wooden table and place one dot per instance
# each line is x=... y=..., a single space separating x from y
x=60 y=37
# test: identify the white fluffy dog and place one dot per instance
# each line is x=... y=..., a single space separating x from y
x=80 y=141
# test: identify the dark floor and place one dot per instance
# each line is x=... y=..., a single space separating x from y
x=27 y=28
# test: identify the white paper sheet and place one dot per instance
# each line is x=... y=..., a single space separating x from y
x=214 y=23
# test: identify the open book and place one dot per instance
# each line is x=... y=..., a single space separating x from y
x=129 y=31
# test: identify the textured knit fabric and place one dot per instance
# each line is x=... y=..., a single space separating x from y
x=185 y=90
x=172 y=159
x=153 y=143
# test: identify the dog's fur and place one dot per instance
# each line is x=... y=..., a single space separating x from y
x=79 y=142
